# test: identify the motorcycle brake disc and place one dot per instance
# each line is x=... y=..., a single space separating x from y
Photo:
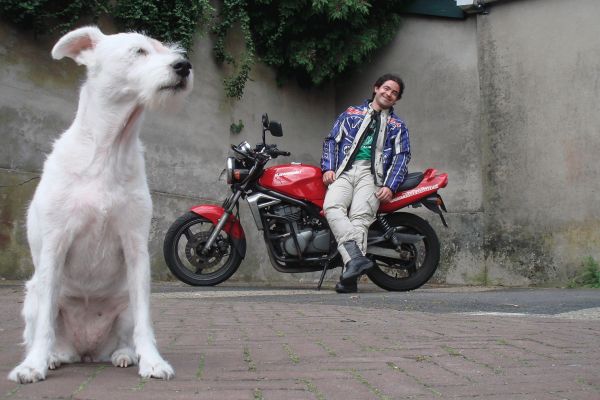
x=193 y=248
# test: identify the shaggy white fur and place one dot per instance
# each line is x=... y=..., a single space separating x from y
x=89 y=220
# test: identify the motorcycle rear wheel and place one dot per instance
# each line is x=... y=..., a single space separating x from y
x=183 y=242
x=412 y=273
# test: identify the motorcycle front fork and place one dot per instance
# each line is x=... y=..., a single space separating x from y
x=231 y=203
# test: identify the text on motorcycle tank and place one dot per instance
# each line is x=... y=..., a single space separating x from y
x=278 y=174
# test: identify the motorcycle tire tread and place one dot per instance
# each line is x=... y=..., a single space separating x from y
x=430 y=263
x=184 y=274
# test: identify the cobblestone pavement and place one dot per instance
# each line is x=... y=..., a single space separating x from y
x=231 y=344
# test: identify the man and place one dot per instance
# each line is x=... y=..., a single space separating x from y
x=364 y=162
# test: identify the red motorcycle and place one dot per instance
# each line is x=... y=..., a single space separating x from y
x=206 y=245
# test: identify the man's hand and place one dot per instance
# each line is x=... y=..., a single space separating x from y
x=384 y=194
x=328 y=177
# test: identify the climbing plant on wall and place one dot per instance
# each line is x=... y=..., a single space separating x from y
x=312 y=41
x=166 y=20
x=51 y=15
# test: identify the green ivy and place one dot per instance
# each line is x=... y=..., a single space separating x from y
x=169 y=21
x=234 y=13
x=43 y=16
x=589 y=275
x=236 y=128
x=312 y=41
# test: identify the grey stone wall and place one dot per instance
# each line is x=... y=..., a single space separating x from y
x=540 y=88
x=185 y=153
x=505 y=103
x=437 y=60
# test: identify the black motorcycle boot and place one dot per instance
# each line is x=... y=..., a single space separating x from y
x=357 y=265
x=350 y=286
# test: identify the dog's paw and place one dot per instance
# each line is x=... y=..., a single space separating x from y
x=26 y=374
x=53 y=362
x=123 y=358
x=159 y=369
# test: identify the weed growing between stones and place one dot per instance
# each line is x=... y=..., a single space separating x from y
x=590 y=275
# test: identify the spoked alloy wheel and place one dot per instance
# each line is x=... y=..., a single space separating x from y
x=416 y=262
x=184 y=242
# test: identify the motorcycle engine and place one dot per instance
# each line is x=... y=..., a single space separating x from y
x=311 y=237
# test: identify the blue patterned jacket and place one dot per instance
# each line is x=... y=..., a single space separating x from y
x=392 y=151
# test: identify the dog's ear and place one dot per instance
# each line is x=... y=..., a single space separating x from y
x=76 y=44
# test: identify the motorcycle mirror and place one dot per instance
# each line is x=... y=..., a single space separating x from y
x=275 y=129
x=265 y=122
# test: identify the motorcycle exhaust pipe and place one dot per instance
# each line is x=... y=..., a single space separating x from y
x=383 y=252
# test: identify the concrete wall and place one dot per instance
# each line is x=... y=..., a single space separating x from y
x=185 y=153
x=540 y=88
x=437 y=59
x=506 y=103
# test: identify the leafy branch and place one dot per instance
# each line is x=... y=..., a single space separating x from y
x=311 y=41
x=589 y=275
x=169 y=21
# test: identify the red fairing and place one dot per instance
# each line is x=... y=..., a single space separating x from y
x=300 y=181
x=305 y=182
x=213 y=213
x=429 y=185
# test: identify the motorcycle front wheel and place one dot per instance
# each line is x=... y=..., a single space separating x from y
x=416 y=263
x=184 y=241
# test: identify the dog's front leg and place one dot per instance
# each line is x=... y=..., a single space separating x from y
x=135 y=247
x=42 y=294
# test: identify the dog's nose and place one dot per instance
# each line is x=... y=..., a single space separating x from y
x=182 y=68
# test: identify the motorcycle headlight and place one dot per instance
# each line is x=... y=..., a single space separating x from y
x=230 y=168
x=245 y=149
x=234 y=173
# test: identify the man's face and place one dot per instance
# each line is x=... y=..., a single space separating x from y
x=385 y=95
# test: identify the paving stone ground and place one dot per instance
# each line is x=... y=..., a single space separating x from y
x=228 y=346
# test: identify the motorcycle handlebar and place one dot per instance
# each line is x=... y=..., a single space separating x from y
x=273 y=151
x=270 y=150
x=281 y=153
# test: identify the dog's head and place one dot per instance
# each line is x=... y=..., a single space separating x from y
x=128 y=66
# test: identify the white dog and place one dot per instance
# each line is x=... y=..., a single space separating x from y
x=89 y=221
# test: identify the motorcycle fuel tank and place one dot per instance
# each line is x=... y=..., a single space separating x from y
x=296 y=180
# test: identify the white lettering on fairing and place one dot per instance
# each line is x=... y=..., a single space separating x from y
x=296 y=172
x=414 y=192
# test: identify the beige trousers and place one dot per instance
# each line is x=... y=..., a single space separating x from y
x=351 y=206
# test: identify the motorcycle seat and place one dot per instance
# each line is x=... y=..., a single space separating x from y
x=412 y=180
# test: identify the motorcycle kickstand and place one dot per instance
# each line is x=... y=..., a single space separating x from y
x=322 y=277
